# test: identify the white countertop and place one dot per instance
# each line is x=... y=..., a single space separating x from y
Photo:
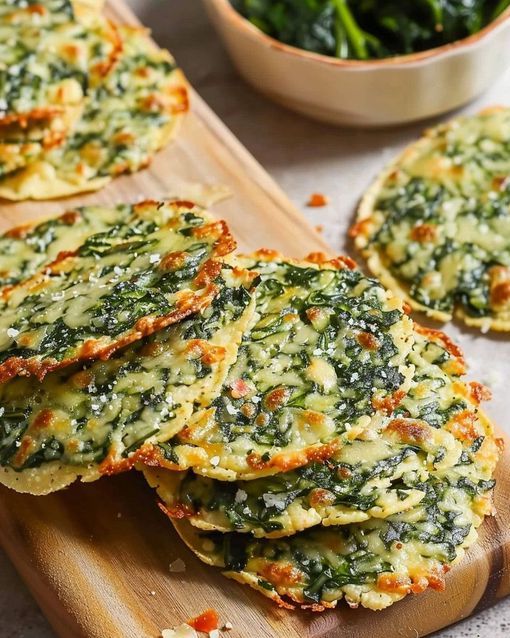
x=303 y=157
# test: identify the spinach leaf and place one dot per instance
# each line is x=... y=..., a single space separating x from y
x=364 y=29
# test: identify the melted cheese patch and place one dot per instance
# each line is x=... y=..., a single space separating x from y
x=436 y=225
x=94 y=420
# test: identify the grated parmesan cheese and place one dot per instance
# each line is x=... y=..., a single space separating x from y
x=182 y=631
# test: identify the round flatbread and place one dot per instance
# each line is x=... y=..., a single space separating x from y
x=95 y=420
x=322 y=362
x=435 y=226
x=132 y=113
x=364 y=479
x=154 y=268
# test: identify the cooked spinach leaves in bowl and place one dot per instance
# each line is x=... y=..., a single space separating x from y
x=366 y=29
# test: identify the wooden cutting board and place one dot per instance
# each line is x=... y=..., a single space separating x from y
x=96 y=557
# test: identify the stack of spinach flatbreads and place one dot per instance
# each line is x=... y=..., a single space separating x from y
x=302 y=432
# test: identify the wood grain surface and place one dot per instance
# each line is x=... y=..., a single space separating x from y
x=96 y=557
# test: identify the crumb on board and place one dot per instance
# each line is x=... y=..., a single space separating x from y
x=182 y=631
x=208 y=621
x=485 y=327
x=317 y=200
x=177 y=566
x=319 y=228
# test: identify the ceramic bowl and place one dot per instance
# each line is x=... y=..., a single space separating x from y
x=358 y=93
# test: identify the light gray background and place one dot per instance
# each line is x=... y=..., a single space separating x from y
x=303 y=157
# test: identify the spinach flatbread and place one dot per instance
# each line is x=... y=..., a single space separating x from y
x=48 y=68
x=435 y=226
x=328 y=349
x=127 y=117
x=373 y=564
x=137 y=277
x=433 y=427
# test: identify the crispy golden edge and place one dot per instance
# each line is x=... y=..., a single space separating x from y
x=21 y=230
x=55 y=476
x=190 y=537
x=46 y=479
x=484 y=323
x=318 y=259
x=37 y=114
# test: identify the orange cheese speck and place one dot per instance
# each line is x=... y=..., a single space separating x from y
x=317 y=200
x=239 y=388
x=206 y=622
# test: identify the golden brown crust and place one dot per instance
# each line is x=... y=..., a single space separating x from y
x=102 y=68
x=409 y=430
x=339 y=262
x=178 y=510
x=479 y=392
x=388 y=404
x=38 y=114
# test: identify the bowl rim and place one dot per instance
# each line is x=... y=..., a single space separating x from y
x=240 y=22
